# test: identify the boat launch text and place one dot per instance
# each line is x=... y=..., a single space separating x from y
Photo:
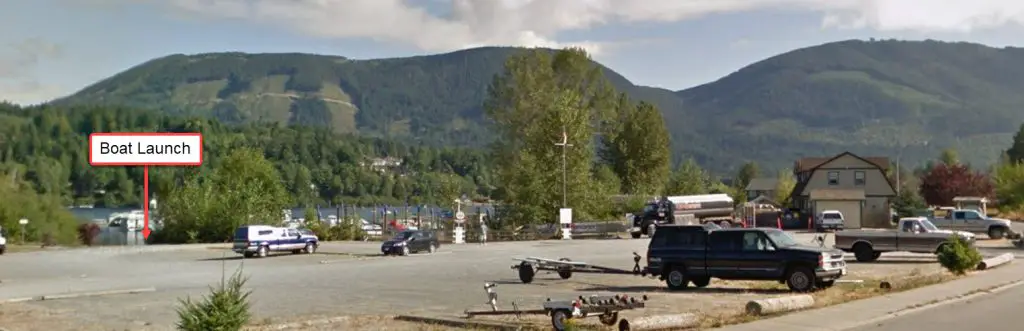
x=128 y=149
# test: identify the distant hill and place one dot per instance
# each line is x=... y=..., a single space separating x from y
x=868 y=97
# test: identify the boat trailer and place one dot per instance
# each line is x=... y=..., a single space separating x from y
x=605 y=307
x=529 y=266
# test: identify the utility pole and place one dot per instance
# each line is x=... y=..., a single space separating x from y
x=564 y=144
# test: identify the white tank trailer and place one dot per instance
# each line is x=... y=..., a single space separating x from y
x=687 y=209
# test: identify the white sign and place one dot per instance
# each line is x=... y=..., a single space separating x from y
x=23 y=221
x=565 y=216
x=141 y=149
x=460 y=216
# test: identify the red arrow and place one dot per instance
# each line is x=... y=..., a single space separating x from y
x=145 y=202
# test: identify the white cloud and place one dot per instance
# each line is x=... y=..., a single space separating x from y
x=538 y=22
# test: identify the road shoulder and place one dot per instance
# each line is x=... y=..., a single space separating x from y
x=858 y=313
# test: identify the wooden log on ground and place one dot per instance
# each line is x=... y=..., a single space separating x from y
x=995 y=261
x=660 y=322
x=779 y=305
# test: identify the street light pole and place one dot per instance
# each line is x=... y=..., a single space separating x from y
x=564 y=144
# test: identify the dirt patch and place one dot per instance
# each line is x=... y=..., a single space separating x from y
x=28 y=317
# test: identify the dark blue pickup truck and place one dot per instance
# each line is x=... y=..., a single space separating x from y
x=684 y=254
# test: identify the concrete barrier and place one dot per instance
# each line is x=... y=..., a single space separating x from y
x=995 y=261
x=660 y=322
x=779 y=305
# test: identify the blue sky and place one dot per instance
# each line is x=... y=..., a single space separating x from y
x=52 y=48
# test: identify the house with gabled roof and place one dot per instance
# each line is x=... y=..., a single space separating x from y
x=856 y=186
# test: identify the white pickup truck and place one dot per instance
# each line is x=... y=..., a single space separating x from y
x=975 y=222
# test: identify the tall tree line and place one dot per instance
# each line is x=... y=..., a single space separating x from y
x=47 y=148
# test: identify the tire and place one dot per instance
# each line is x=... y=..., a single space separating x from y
x=247 y=254
x=310 y=248
x=826 y=284
x=432 y=249
x=3 y=249
x=725 y=224
x=941 y=247
x=676 y=279
x=997 y=233
x=649 y=228
x=405 y=251
x=609 y=318
x=701 y=282
x=558 y=319
x=565 y=271
x=636 y=235
x=864 y=253
x=801 y=280
x=526 y=272
x=263 y=251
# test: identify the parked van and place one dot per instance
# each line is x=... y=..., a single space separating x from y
x=261 y=240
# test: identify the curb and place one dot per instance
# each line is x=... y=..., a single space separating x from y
x=79 y=295
x=911 y=310
x=996 y=261
x=462 y=323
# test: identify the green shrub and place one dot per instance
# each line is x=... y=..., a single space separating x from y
x=225 y=309
x=958 y=256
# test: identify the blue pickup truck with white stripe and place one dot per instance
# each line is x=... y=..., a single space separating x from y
x=261 y=240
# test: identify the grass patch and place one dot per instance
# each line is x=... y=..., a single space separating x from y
x=838 y=294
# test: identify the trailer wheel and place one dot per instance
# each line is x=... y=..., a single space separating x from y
x=565 y=271
x=526 y=272
x=609 y=318
x=558 y=319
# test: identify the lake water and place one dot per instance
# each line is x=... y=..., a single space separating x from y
x=117 y=236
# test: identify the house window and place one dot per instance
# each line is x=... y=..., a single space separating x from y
x=858 y=178
x=833 y=178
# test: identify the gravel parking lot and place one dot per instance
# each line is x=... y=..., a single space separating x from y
x=332 y=284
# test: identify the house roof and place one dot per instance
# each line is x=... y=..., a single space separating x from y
x=837 y=194
x=762 y=184
x=811 y=163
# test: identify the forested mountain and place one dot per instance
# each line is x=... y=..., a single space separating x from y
x=868 y=97
x=47 y=147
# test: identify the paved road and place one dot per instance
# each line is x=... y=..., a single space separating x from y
x=991 y=312
x=289 y=285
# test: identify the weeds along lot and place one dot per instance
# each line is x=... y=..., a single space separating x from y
x=347 y=280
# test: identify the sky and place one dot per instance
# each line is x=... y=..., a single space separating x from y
x=53 y=48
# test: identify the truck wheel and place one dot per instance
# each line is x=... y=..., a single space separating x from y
x=800 y=279
x=310 y=248
x=676 y=279
x=635 y=235
x=725 y=224
x=526 y=272
x=263 y=251
x=701 y=281
x=996 y=233
x=864 y=253
x=649 y=229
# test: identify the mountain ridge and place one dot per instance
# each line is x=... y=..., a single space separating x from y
x=867 y=97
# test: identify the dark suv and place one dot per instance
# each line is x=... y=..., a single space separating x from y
x=681 y=254
x=410 y=241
